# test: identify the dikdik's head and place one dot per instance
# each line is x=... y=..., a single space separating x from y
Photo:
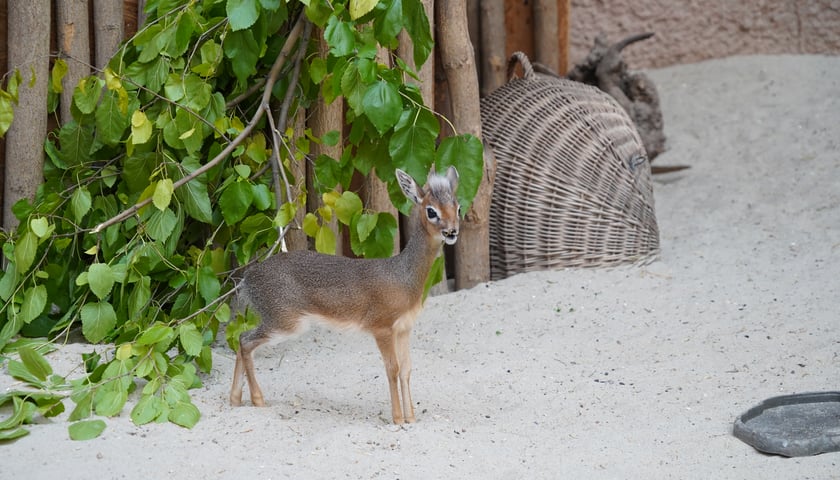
x=439 y=209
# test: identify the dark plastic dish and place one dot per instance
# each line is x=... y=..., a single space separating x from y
x=793 y=425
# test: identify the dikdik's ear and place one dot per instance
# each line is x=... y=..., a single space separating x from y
x=452 y=176
x=409 y=187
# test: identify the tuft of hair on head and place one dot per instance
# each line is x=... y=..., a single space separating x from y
x=442 y=187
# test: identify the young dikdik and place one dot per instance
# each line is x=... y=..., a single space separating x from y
x=381 y=296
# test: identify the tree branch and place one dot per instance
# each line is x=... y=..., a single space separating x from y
x=294 y=34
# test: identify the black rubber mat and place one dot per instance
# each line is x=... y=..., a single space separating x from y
x=793 y=425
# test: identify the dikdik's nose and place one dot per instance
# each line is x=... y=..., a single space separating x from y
x=450 y=236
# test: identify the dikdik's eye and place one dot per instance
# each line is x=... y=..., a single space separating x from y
x=431 y=213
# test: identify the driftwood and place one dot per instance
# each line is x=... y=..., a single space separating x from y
x=635 y=92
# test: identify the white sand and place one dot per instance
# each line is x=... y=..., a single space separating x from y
x=624 y=373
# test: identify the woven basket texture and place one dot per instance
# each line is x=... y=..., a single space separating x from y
x=573 y=184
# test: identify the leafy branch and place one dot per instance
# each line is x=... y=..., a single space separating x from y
x=263 y=106
x=133 y=239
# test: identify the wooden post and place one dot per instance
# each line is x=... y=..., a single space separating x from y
x=108 y=30
x=472 y=252
x=29 y=26
x=564 y=11
x=4 y=67
x=405 y=51
x=323 y=119
x=546 y=42
x=74 y=45
x=493 y=44
x=131 y=22
x=295 y=238
x=375 y=190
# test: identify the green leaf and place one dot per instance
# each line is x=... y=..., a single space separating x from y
x=413 y=150
x=194 y=194
x=262 y=196
x=243 y=51
x=285 y=215
x=325 y=240
x=39 y=226
x=208 y=284
x=100 y=279
x=76 y=141
x=8 y=282
x=139 y=297
x=360 y=8
x=386 y=27
x=148 y=408
x=141 y=128
x=382 y=105
x=13 y=434
x=191 y=339
x=161 y=224
x=34 y=302
x=111 y=120
x=35 y=363
x=242 y=14
x=417 y=25
x=157 y=333
x=184 y=414
x=109 y=402
x=86 y=94
x=235 y=201
x=98 y=320
x=84 y=406
x=466 y=153
x=340 y=37
x=86 y=430
x=22 y=412
x=353 y=88
x=365 y=225
x=58 y=72
x=7 y=114
x=80 y=203
x=379 y=242
x=163 y=193
x=18 y=370
x=435 y=275
x=346 y=206
x=25 y=250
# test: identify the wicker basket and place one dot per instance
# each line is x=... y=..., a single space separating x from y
x=573 y=184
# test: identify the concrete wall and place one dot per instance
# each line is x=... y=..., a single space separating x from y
x=689 y=31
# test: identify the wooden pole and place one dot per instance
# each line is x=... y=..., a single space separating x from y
x=564 y=11
x=74 y=45
x=376 y=191
x=325 y=118
x=4 y=67
x=295 y=238
x=493 y=45
x=108 y=28
x=29 y=26
x=472 y=252
x=546 y=42
x=405 y=51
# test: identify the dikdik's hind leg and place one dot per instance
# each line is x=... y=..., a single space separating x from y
x=245 y=369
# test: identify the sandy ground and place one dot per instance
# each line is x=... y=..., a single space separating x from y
x=598 y=374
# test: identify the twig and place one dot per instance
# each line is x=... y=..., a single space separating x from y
x=294 y=34
x=276 y=131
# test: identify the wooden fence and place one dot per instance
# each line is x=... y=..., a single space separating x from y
x=89 y=32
